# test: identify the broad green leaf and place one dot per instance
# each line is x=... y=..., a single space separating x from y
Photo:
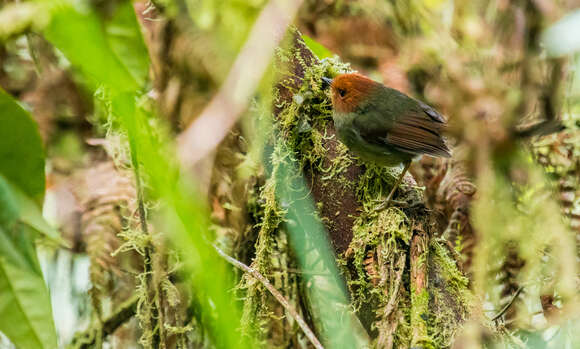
x=319 y=50
x=21 y=153
x=8 y=207
x=327 y=292
x=24 y=302
x=126 y=41
x=562 y=37
x=24 y=299
x=80 y=35
x=16 y=207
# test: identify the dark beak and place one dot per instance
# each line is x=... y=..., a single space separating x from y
x=326 y=82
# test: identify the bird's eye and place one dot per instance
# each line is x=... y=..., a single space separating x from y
x=341 y=92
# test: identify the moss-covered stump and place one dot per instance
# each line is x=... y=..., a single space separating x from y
x=404 y=284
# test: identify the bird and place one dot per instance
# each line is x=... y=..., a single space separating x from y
x=383 y=125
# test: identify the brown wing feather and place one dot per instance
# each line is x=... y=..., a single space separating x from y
x=419 y=133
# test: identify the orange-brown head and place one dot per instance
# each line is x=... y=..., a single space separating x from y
x=349 y=90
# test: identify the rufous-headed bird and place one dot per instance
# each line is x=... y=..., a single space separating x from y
x=383 y=125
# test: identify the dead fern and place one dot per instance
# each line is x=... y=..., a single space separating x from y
x=107 y=197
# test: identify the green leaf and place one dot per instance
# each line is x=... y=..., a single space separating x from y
x=15 y=207
x=80 y=35
x=562 y=37
x=317 y=48
x=21 y=153
x=327 y=294
x=125 y=38
x=24 y=299
x=8 y=207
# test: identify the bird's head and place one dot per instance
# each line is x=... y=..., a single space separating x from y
x=348 y=91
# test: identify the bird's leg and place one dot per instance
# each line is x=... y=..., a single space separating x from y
x=387 y=202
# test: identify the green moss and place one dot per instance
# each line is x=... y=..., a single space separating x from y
x=420 y=319
x=448 y=267
x=339 y=164
x=388 y=229
x=374 y=185
x=450 y=296
x=255 y=309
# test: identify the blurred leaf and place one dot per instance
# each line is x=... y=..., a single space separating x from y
x=319 y=50
x=21 y=169
x=124 y=36
x=187 y=218
x=81 y=37
x=15 y=18
x=17 y=207
x=21 y=153
x=562 y=37
x=434 y=4
x=340 y=328
x=533 y=340
x=24 y=300
x=23 y=293
x=8 y=207
x=575 y=90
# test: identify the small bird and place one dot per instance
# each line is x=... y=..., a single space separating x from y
x=383 y=125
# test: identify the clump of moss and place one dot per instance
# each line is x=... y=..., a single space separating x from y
x=302 y=120
x=450 y=297
x=388 y=230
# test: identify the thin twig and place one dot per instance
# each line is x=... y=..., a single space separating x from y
x=507 y=306
x=307 y=331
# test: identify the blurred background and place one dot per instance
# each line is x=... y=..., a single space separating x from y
x=170 y=176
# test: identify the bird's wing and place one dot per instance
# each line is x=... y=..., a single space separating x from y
x=418 y=131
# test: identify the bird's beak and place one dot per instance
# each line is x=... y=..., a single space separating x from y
x=326 y=82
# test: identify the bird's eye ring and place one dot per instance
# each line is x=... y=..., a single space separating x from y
x=341 y=92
